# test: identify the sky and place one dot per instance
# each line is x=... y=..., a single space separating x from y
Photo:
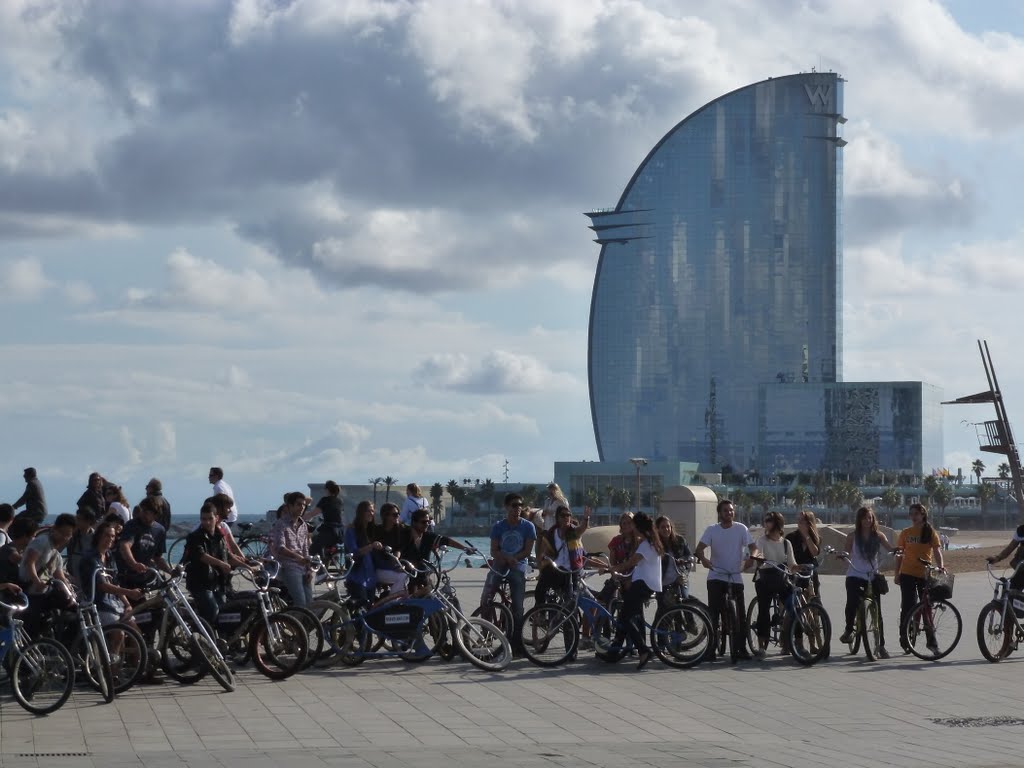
x=330 y=239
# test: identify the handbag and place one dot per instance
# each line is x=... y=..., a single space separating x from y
x=880 y=584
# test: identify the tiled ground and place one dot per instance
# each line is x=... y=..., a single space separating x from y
x=442 y=715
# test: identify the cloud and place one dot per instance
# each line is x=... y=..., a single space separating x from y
x=23 y=280
x=499 y=372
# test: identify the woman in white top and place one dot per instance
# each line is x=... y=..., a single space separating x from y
x=116 y=502
x=646 y=580
x=864 y=545
x=768 y=581
x=554 y=500
x=413 y=500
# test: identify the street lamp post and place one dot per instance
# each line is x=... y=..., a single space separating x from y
x=638 y=462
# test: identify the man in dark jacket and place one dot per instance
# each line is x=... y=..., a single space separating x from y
x=33 y=498
x=93 y=497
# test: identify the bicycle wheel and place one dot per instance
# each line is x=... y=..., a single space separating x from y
x=131 y=657
x=753 y=613
x=42 y=676
x=995 y=635
x=214 y=663
x=338 y=631
x=499 y=614
x=99 y=670
x=483 y=645
x=314 y=630
x=854 y=638
x=177 y=656
x=176 y=552
x=254 y=548
x=682 y=637
x=871 y=629
x=282 y=651
x=550 y=635
x=810 y=634
x=932 y=631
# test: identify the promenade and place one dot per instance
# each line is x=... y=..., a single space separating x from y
x=845 y=711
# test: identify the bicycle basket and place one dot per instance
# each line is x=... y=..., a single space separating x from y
x=940 y=586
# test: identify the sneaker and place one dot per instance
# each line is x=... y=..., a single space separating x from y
x=882 y=653
x=760 y=653
x=933 y=648
x=743 y=656
x=847 y=637
x=586 y=644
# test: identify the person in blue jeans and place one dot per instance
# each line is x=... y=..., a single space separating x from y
x=512 y=540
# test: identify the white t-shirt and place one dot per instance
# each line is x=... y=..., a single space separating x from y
x=780 y=551
x=5 y=538
x=648 y=570
x=729 y=548
x=548 y=512
x=221 y=487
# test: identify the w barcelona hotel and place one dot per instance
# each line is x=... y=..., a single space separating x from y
x=716 y=318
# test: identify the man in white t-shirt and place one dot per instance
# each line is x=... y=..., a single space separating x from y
x=732 y=550
x=219 y=486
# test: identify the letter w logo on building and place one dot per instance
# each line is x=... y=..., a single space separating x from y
x=818 y=94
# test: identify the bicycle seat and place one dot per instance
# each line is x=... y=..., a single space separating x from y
x=244 y=526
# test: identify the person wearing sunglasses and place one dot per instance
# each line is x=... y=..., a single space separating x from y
x=768 y=581
x=391 y=533
x=512 y=540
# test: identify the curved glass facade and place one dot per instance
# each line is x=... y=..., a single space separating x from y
x=720 y=270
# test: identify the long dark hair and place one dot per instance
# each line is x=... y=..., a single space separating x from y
x=868 y=545
x=360 y=526
x=926 y=528
x=645 y=527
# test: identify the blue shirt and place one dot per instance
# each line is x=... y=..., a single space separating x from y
x=512 y=539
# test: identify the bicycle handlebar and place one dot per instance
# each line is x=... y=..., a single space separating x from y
x=21 y=605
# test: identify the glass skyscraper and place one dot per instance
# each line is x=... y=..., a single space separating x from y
x=720 y=271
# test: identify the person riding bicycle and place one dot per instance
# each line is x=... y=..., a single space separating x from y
x=918 y=541
x=645 y=564
x=619 y=548
x=864 y=545
x=512 y=540
x=22 y=531
x=562 y=544
x=111 y=600
x=768 y=581
x=392 y=534
x=806 y=543
x=42 y=562
x=208 y=564
x=289 y=543
x=362 y=577
x=423 y=544
x=676 y=548
x=732 y=550
x=1016 y=547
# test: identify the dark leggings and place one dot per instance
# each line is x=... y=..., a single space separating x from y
x=769 y=584
x=633 y=613
x=855 y=589
x=911 y=589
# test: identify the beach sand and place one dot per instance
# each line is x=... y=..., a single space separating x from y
x=981 y=544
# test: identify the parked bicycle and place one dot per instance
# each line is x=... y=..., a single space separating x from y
x=496 y=600
x=729 y=632
x=42 y=672
x=999 y=624
x=933 y=626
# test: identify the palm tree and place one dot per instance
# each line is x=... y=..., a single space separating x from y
x=986 y=493
x=389 y=481
x=943 y=496
x=436 y=492
x=930 y=485
x=529 y=494
x=453 y=489
x=609 y=493
x=891 y=498
x=764 y=499
x=487 y=492
x=1004 y=471
x=625 y=498
x=853 y=497
x=799 y=495
x=743 y=503
x=375 y=481
x=977 y=467
x=592 y=499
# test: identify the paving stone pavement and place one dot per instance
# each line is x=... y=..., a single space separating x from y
x=446 y=715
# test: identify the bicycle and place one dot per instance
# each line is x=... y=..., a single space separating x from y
x=680 y=636
x=249 y=627
x=183 y=643
x=404 y=624
x=867 y=627
x=496 y=600
x=729 y=631
x=934 y=617
x=999 y=627
x=800 y=626
x=42 y=672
